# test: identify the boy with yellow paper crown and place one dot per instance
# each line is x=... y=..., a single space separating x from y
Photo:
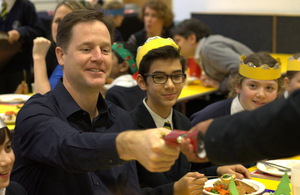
x=257 y=83
x=292 y=78
x=162 y=76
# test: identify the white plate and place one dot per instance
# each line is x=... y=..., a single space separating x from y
x=14 y=98
x=8 y=122
x=259 y=187
x=274 y=171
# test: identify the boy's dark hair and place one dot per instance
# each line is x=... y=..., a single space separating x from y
x=162 y=53
x=189 y=27
x=131 y=48
x=290 y=74
x=65 y=27
x=163 y=11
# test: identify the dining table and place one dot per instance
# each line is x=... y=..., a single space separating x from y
x=193 y=90
x=270 y=181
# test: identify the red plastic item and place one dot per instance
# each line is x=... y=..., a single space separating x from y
x=195 y=70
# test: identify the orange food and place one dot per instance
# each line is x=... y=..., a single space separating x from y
x=9 y=113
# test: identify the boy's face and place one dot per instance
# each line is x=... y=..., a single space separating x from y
x=187 y=46
x=255 y=93
x=163 y=96
x=292 y=84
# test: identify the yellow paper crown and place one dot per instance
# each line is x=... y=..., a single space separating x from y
x=263 y=72
x=153 y=43
x=293 y=64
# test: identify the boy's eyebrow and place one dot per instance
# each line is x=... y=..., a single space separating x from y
x=161 y=72
x=8 y=142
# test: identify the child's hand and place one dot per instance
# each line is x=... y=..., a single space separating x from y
x=209 y=82
x=22 y=88
x=239 y=170
x=191 y=183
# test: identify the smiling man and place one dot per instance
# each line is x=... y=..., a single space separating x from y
x=71 y=140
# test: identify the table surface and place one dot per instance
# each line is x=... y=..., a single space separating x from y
x=271 y=182
x=195 y=90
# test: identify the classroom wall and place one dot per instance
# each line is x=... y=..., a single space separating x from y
x=183 y=8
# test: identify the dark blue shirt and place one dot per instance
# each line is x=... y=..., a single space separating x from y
x=60 y=151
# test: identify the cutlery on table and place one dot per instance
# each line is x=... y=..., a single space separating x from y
x=278 y=167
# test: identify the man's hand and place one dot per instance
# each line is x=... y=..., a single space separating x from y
x=239 y=170
x=148 y=148
x=13 y=35
x=40 y=48
x=190 y=184
x=209 y=82
x=187 y=148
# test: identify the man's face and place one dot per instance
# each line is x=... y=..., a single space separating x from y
x=187 y=46
x=88 y=59
x=163 y=96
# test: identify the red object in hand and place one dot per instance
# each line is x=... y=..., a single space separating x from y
x=174 y=138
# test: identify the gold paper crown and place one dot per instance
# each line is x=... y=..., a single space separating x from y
x=153 y=43
x=293 y=64
x=263 y=72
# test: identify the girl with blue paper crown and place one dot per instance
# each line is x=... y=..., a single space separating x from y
x=257 y=83
x=292 y=78
x=124 y=91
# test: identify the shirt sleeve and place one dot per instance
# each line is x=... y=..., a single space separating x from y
x=44 y=135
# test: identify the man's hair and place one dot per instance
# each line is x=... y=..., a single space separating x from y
x=189 y=27
x=162 y=53
x=257 y=59
x=163 y=11
x=65 y=27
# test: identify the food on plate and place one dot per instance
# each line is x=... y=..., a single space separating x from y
x=222 y=186
x=9 y=116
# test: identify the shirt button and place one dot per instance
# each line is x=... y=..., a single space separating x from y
x=97 y=183
x=111 y=161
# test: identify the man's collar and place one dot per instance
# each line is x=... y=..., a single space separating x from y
x=68 y=104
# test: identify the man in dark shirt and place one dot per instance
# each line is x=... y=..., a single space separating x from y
x=70 y=140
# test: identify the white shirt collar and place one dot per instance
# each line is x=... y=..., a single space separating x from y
x=9 y=4
x=124 y=81
x=159 y=121
x=236 y=106
x=2 y=191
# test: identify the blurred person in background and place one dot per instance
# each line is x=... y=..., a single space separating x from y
x=157 y=18
x=19 y=19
